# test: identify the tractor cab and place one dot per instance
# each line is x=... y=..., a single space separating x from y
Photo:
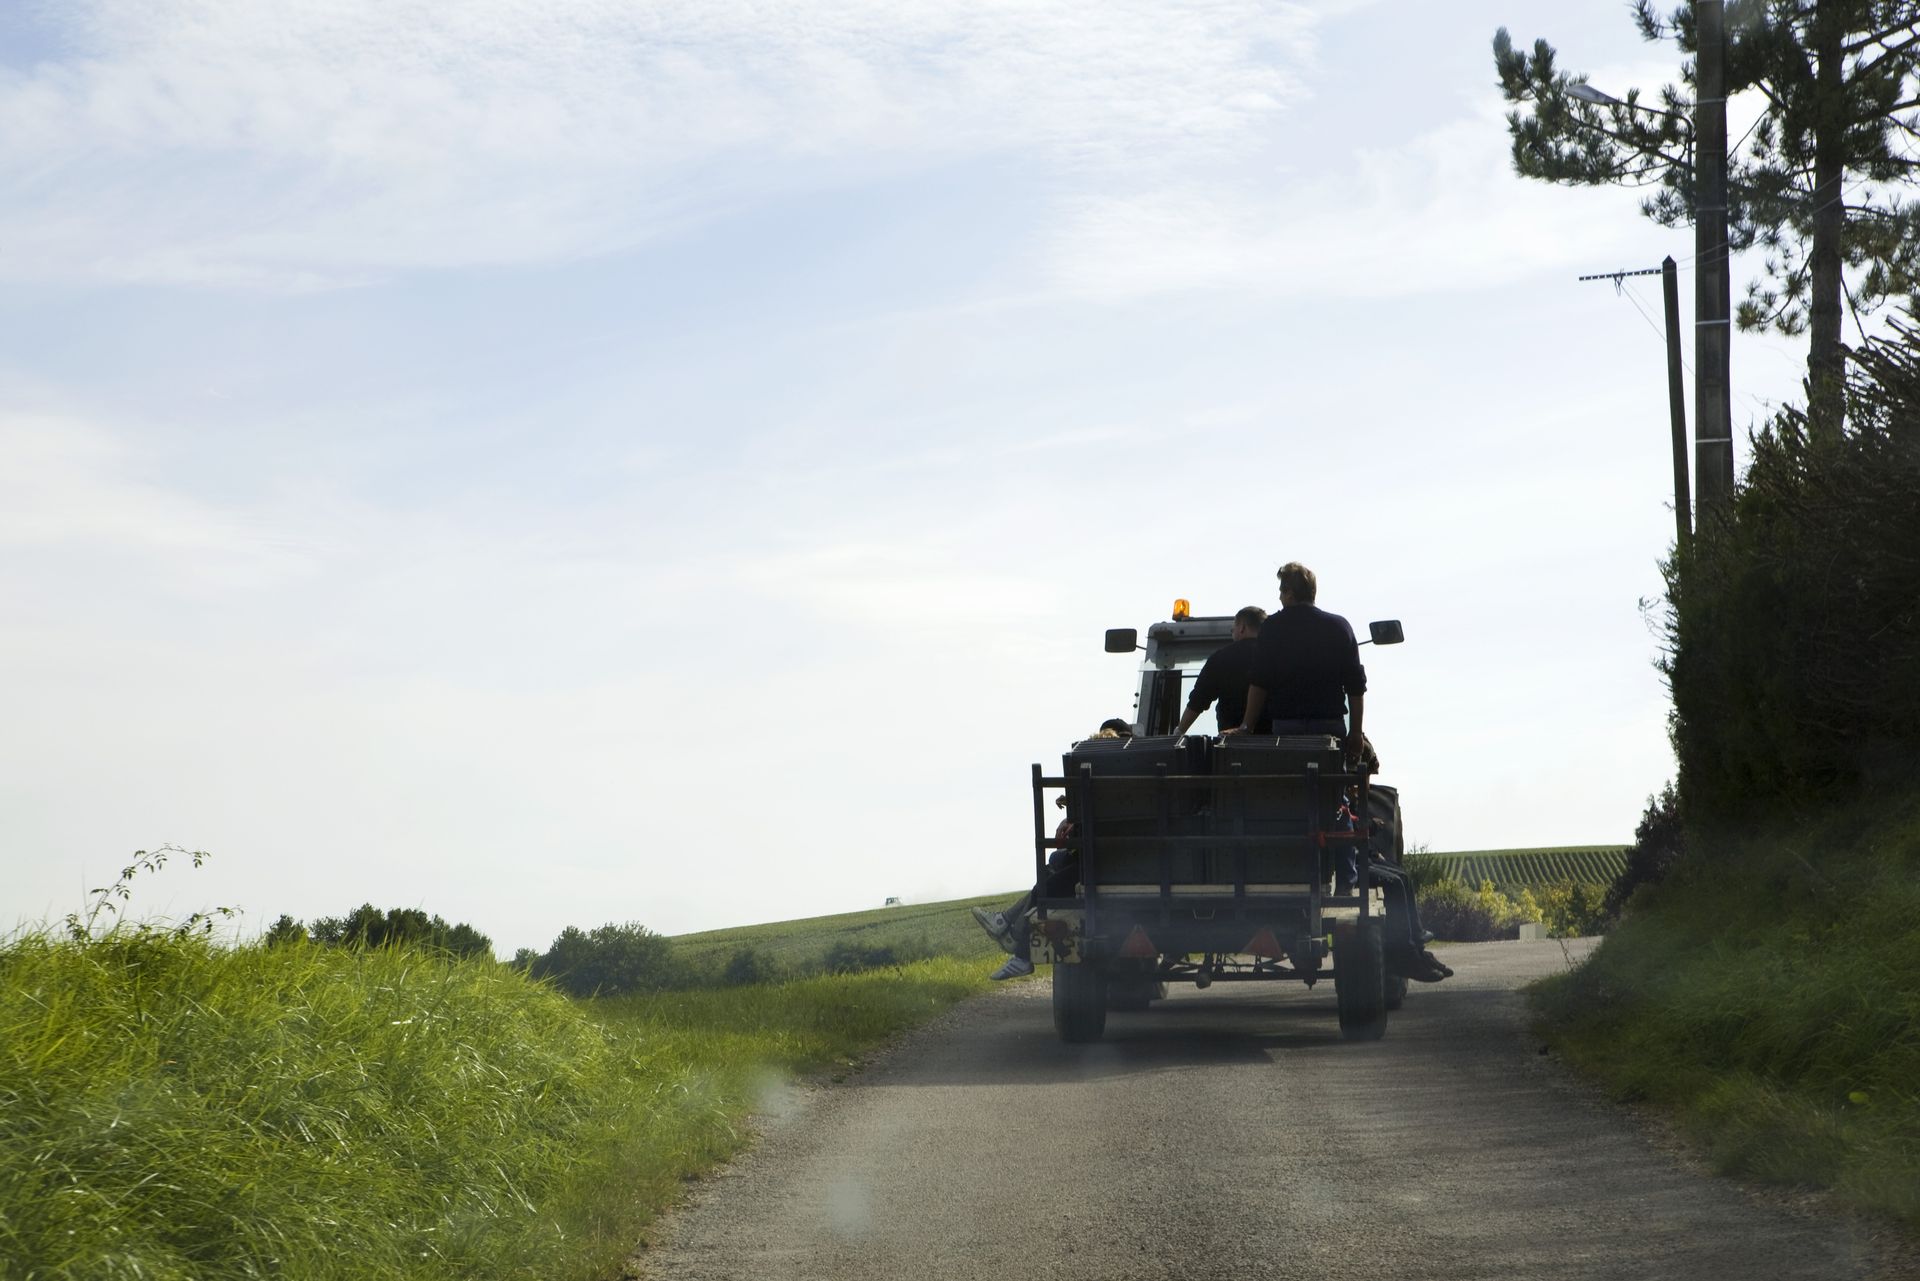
x=1176 y=650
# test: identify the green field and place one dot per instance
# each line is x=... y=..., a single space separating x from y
x=1536 y=868
x=924 y=929
x=948 y=929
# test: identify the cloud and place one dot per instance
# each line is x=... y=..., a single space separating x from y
x=316 y=144
x=1442 y=211
x=69 y=488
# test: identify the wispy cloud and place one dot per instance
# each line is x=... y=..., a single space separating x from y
x=305 y=145
x=1443 y=210
x=69 y=488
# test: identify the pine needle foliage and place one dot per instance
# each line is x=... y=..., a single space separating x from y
x=1823 y=184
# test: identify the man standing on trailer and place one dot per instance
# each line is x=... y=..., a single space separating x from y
x=1306 y=676
x=1223 y=679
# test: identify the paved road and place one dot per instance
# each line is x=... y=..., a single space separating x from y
x=1228 y=1134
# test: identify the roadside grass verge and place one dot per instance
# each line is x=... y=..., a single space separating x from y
x=1769 y=995
x=724 y=1053
x=174 y=1109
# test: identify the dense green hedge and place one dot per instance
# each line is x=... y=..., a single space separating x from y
x=1764 y=979
x=1794 y=646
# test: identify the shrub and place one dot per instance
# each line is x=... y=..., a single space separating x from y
x=1658 y=843
x=749 y=965
x=1574 y=909
x=1794 y=634
x=848 y=957
x=284 y=931
x=1461 y=915
x=368 y=926
x=1422 y=868
x=610 y=960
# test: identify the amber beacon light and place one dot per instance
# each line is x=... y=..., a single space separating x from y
x=1182 y=611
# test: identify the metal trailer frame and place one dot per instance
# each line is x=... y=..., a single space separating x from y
x=1246 y=913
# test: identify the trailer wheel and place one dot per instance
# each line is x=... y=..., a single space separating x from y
x=1396 y=991
x=1359 y=982
x=1079 y=1002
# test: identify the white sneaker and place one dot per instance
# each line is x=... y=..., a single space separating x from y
x=995 y=924
x=1015 y=968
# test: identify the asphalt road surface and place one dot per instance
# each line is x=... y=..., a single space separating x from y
x=1231 y=1133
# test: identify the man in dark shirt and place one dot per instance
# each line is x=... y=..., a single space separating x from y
x=1224 y=677
x=1306 y=666
x=1306 y=669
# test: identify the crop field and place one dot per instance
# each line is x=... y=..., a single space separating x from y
x=947 y=929
x=923 y=929
x=1535 y=868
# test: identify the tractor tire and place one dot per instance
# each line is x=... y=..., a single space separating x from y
x=1079 y=1002
x=1360 y=981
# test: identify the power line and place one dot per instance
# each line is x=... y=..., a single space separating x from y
x=1627 y=291
x=1659 y=330
x=1624 y=290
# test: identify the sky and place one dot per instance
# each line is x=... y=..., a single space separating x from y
x=551 y=463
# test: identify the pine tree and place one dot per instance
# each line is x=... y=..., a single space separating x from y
x=1820 y=184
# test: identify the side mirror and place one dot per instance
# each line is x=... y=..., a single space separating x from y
x=1387 y=633
x=1122 y=640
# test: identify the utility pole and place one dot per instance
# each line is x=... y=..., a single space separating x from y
x=1712 y=268
x=1676 y=402
x=1676 y=389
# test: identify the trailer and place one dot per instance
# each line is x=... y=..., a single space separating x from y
x=1210 y=860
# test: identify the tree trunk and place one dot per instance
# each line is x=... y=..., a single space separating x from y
x=1826 y=360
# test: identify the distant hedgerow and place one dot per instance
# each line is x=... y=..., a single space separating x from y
x=609 y=960
x=367 y=927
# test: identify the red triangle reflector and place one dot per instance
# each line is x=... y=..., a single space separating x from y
x=1138 y=944
x=1263 y=944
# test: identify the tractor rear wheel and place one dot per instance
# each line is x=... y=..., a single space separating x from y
x=1359 y=981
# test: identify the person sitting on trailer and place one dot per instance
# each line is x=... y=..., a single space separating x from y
x=1406 y=941
x=1223 y=679
x=1306 y=676
x=1009 y=928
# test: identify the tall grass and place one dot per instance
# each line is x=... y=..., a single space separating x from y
x=1769 y=992
x=171 y=1108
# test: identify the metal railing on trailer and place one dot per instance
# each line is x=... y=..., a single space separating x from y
x=1082 y=788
